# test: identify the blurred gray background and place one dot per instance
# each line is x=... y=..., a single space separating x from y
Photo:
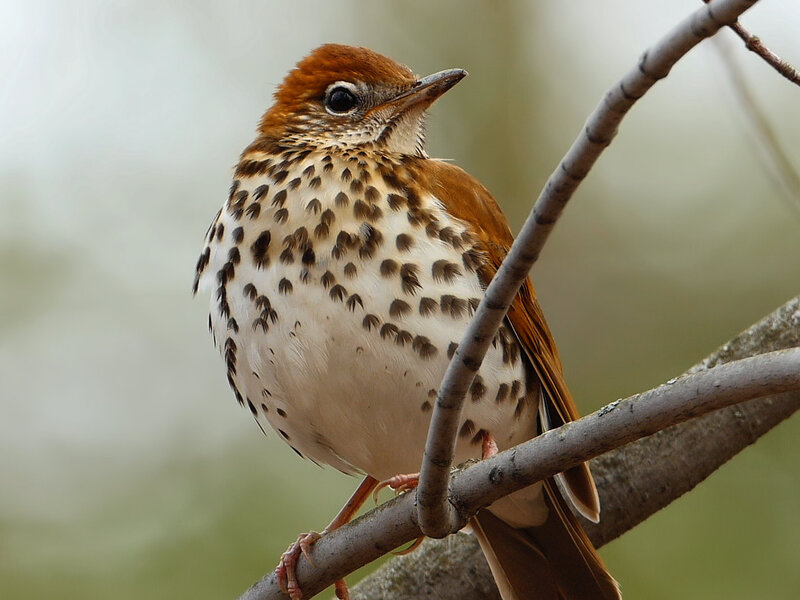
x=126 y=468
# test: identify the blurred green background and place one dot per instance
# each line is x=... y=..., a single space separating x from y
x=126 y=468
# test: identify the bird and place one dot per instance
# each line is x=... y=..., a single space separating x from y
x=343 y=270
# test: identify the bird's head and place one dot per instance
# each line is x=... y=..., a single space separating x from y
x=346 y=96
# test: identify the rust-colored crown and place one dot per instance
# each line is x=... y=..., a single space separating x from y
x=327 y=64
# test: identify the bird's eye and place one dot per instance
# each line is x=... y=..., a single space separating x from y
x=340 y=100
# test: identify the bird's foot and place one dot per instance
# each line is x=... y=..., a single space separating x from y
x=399 y=483
x=285 y=571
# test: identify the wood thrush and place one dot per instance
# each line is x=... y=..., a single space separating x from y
x=344 y=268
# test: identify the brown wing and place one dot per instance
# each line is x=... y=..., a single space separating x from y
x=468 y=200
x=555 y=560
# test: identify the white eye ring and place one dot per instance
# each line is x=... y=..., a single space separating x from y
x=341 y=98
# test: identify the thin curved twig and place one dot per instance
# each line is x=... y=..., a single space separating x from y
x=754 y=44
x=394 y=523
x=436 y=514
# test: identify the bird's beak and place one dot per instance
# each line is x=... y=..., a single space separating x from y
x=425 y=91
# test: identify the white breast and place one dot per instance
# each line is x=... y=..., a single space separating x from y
x=340 y=338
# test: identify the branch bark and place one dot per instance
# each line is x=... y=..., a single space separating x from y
x=394 y=523
x=634 y=481
x=436 y=514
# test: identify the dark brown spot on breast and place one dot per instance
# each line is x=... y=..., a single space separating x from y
x=253 y=211
x=370 y=321
x=233 y=255
x=259 y=249
x=426 y=406
x=238 y=235
x=356 y=186
x=399 y=308
x=308 y=171
x=427 y=306
x=404 y=242
x=396 y=202
x=346 y=175
x=285 y=286
x=309 y=258
x=279 y=199
x=403 y=337
x=449 y=236
x=361 y=209
x=432 y=229
x=350 y=270
x=478 y=437
x=371 y=193
x=341 y=199
x=260 y=192
x=410 y=281
x=467 y=429
x=502 y=393
x=338 y=293
x=250 y=291
x=328 y=217
x=281 y=412
x=314 y=206
x=389 y=267
x=294 y=183
x=315 y=183
x=424 y=347
x=234 y=187
x=353 y=301
x=445 y=271
x=472 y=260
x=477 y=389
x=388 y=330
x=455 y=307
x=321 y=231
x=287 y=256
x=281 y=215
x=229 y=354
x=202 y=262
x=327 y=279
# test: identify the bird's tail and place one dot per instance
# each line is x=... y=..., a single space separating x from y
x=554 y=561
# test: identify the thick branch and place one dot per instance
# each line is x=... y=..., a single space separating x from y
x=394 y=523
x=634 y=481
x=436 y=513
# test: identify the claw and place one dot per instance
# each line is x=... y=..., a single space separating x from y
x=411 y=548
x=285 y=571
x=399 y=483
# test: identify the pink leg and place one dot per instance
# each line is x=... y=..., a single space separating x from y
x=285 y=571
x=489 y=446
